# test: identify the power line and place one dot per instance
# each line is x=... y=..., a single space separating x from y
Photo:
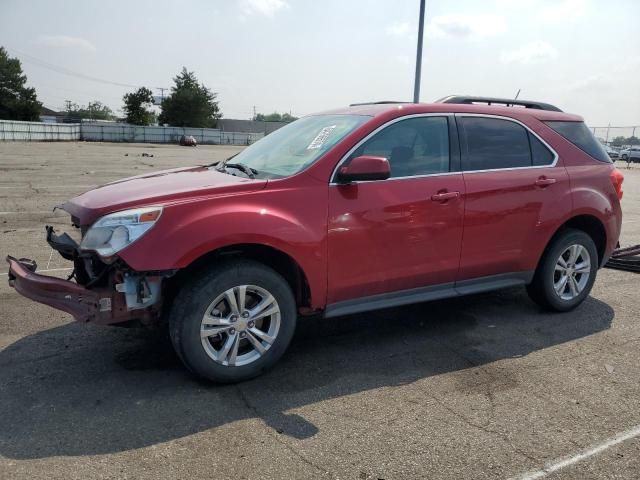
x=65 y=71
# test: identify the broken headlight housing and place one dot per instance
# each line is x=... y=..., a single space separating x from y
x=115 y=231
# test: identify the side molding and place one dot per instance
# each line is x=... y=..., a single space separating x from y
x=426 y=294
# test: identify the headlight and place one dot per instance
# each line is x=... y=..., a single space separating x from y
x=115 y=231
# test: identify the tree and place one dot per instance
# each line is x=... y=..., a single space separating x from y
x=136 y=107
x=618 y=141
x=95 y=110
x=622 y=141
x=17 y=102
x=190 y=104
x=275 y=117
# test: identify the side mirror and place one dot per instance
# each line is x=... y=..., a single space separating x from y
x=365 y=167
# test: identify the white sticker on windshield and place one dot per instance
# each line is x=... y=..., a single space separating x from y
x=321 y=138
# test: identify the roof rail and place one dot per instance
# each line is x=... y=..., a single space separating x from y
x=507 y=102
x=381 y=102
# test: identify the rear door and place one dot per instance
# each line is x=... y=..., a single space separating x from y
x=400 y=233
x=515 y=189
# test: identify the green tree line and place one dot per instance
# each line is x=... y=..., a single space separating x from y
x=189 y=104
x=275 y=117
x=620 y=141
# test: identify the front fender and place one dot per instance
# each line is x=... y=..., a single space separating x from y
x=291 y=221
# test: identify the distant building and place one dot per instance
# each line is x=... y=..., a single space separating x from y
x=50 y=116
x=248 y=126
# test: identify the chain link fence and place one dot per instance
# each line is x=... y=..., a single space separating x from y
x=616 y=136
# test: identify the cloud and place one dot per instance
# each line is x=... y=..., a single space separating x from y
x=268 y=8
x=399 y=29
x=564 y=11
x=466 y=26
x=514 y=3
x=65 y=41
x=404 y=59
x=534 y=52
x=595 y=83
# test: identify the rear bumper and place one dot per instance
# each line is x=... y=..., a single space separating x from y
x=101 y=305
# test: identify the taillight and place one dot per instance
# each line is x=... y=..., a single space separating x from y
x=617 y=178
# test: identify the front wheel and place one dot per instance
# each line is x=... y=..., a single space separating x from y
x=566 y=272
x=234 y=322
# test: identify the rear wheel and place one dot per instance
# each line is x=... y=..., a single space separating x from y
x=234 y=322
x=566 y=272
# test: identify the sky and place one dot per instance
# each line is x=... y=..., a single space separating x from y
x=304 y=56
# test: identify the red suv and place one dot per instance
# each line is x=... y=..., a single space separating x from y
x=362 y=208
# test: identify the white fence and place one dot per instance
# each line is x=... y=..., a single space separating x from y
x=26 y=131
x=101 y=132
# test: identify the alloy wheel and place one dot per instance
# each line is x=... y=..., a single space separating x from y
x=240 y=325
x=572 y=271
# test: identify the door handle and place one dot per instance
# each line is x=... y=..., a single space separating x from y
x=444 y=196
x=545 y=182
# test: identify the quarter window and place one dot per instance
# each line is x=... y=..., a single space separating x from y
x=493 y=143
x=540 y=154
x=580 y=135
x=415 y=146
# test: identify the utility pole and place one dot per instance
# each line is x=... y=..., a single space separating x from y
x=416 y=84
x=254 y=113
x=162 y=89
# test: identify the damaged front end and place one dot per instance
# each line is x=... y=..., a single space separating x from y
x=105 y=291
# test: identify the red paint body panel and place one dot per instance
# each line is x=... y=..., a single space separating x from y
x=288 y=215
x=157 y=188
x=390 y=236
x=509 y=219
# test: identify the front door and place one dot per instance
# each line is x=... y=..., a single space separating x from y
x=400 y=233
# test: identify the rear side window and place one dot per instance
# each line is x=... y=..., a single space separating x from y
x=491 y=143
x=578 y=134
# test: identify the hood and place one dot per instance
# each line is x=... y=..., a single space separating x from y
x=156 y=188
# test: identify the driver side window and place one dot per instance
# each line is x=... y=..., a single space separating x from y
x=415 y=146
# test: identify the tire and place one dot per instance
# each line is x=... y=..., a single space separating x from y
x=227 y=351
x=624 y=157
x=550 y=273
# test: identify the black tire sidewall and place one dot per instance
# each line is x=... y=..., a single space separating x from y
x=564 y=241
x=194 y=298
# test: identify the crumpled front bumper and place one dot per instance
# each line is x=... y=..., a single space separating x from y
x=103 y=305
x=85 y=305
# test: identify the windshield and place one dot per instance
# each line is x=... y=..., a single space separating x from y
x=294 y=147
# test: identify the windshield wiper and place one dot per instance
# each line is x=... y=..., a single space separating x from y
x=248 y=171
x=220 y=163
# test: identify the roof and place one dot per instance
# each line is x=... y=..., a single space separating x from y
x=375 y=110
x=48 y=112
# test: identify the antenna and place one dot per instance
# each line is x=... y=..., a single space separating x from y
x=517 y=95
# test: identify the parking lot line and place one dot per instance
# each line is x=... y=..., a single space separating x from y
x=37 y=212
x=51 y=270
x=578 y=457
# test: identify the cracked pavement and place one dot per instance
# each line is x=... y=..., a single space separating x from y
x=482 y=387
